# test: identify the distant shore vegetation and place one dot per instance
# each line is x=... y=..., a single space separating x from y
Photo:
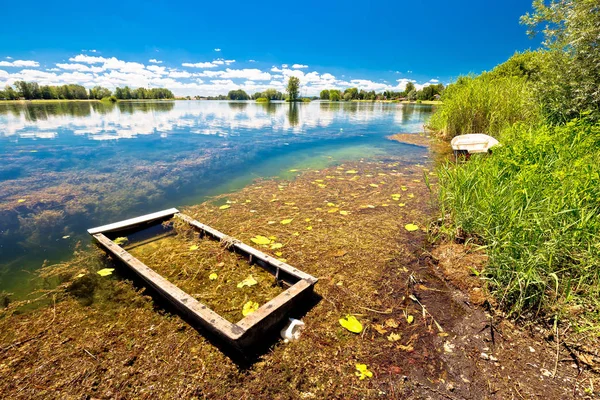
x=22 y=90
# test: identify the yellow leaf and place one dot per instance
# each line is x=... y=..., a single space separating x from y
x=260 y=240
x=278 y=253
x=393 y=337
x=193 y=247
x=404 y=188
x=293 y=170
x=296 y=233
x=213 y=276
x=401 y=204
x=351 y=323
x=249 y=308
x=330 y=205
x=249 y=281
x=286 y=221
x=21 y=201
x=307 y=220
x=273 y=237
x=411 y=227
x=270 y=222
x=80 y=275
x=106 y=271
x=405 y=348
x=333 y=210
x=319 y=180
x=352 y=171
x=121 y=240
x=410 y=195
x=224 y=207
x=248 y=201
x=66 y=236
x=344 y=212
x=322 y=185
x=282 y=260
x=410 y=319
x=374 y=185
x=363 y=372
x=276 y=246
x=309 y=228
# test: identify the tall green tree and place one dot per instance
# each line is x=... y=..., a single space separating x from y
x=324 y=95
x=293 y=88
x=570 y=83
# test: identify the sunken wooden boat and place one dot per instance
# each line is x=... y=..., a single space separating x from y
x=242 y=334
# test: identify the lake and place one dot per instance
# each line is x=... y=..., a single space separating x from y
x=69 y=166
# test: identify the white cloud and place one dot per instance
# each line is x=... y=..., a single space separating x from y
x=299 y=66
x=200 y=65
x=433 y=80
x=275 y=69
x=9 y=58
x=19 y=63
x=217 y=49
x=252 y=61
x=247 y=73
x=80 y=67
x=87 y=59
x=154 y=61
x=157 y=70
x=179 y=74
x=284 y=65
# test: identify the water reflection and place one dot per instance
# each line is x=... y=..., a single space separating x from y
x=66 y=166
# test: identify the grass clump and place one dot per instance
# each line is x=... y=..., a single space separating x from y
x=484 y=104
x=535 y=205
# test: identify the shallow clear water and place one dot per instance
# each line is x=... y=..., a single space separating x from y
x=69 y=166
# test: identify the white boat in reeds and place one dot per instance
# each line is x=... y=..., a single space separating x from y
x=472 y=143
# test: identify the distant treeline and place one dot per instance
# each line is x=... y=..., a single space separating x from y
x=430 y=92
x=33 y=91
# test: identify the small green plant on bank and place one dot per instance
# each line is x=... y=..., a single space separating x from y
x=535 y=204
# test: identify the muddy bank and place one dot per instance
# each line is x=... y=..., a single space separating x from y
x=105 y=337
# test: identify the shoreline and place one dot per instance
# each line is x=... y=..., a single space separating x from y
x=358 y=213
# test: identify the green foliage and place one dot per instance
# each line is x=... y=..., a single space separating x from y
x=571 y=31
x=324 y=95
x=535 y=205
x=109 y=99
x=262 y=100
x=485 y=104
x=429 y=92
x=238 y=95
x=293 y=88
x=335 y=95
x=99 y=92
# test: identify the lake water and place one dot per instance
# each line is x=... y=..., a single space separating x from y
x=69 y=166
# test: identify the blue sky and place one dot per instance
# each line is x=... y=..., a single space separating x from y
x=212 y=47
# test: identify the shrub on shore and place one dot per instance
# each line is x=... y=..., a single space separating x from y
x=484 y=104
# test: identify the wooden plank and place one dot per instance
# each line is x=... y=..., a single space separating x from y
x=128 y=223
x=273 y=305
x=180 y=299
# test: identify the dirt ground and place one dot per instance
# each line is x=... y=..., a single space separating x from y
x=429 y=331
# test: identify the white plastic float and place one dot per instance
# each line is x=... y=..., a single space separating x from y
x=472 y=143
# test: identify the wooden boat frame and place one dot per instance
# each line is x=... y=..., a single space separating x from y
x=244 y=333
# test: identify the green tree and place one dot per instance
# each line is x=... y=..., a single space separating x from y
x=293 y=88
x=238 y=95
x=324 y=94
x=570 y=81
x=409 y=88
x=335 y=95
